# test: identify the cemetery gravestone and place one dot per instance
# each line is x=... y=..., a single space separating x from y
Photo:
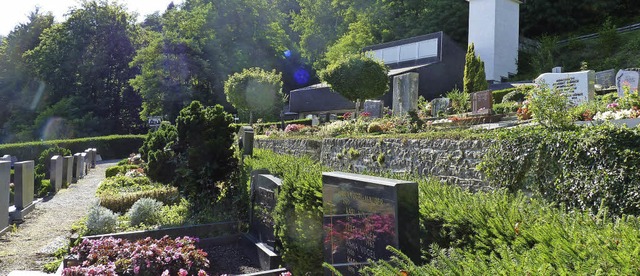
x=264 y=195
x=374 y=108
x=246 y=140
x=363 y=215
x=5 y=172
x=85 y=162
x=482 y=102
x=88 y=160
x=6 y=158
x=24 y=189
x=264 y=190
x=314 y=120
x=578 y=86
x=627 y=79
x=606 y=78
x=55 y=172
x=94 y=157
x=77 y=167
x=405 y=93
x=439 y=105
x=67 y=169
x=557 y=69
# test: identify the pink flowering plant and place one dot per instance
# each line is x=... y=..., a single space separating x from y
x=166 y=256
x=294 y=128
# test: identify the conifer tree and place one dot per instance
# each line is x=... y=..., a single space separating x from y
x=474 y=74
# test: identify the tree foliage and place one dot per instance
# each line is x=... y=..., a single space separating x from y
x=357 y=77
x=255 y=90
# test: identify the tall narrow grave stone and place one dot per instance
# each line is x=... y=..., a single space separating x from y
x=264 y=195
x=627 y=79
x=77 y=166
x=24 y=189
x=88 y=159
x=94 y=157
x=374 y=108
x=482 y=102
x=365 y=214
x=85 y=161
x=67 y=169
x=405 y=93
x=246 y=140
x=5 y=171
x=55 y=172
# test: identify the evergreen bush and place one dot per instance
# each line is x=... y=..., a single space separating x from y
x=474 y=78
x=157 y=152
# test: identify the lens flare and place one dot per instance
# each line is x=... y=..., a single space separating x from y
x=55 y=128
x=301 y=76
x=38 y=96
x=287 y=53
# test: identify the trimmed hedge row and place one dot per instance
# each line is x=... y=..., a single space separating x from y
x=306 y=122
x=109 y=147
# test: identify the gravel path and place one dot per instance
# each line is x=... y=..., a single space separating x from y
x=48 y=227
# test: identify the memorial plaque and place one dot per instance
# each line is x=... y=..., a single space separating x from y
x=374 y=108
x=23 y=180
x=264 y=191
x=67 y=169
x=5 y=172
x=578 y=86
x=606 y=78
x=363 y=215
x=482 y=102
x=439 y=105
x=627 y=79
x=55 y=172
x=405 y=93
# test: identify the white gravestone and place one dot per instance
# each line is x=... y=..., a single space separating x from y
x=55 y=172
x=77 y=167
x=578 y=86
x=67 y=169
x=627 y=78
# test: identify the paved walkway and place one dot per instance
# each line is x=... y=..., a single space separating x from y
x=47 y=228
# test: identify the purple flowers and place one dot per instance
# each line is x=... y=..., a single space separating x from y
x=165 y=256
x=613 y=105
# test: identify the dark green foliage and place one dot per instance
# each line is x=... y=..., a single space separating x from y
x=499 y=94
x=44 y=160
x=474 y=76
x=160 y=140
x=505 y=107
x=44 y=188
x=357 y=77
x=489 y=233
x=298 y=213
x=109 y=147
x=122 y=169
x=203 y=150
x=587 y=168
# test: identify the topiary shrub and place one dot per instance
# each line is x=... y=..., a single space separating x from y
x=374 y=127
x=204 y=157
x=119 y=193
x=145 y=210
x=101 y=221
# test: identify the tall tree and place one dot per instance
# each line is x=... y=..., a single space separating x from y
x=474 y=75
x=86 y=60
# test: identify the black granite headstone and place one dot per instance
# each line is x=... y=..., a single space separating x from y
x=363 y=215
x=264 y=195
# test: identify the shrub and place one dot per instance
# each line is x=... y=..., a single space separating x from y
x=374 y=127
x=101 y=221
x=549 y=108
x=514 y=96
x=145 y=210
x=499 y=94
x=474 y=75
x=204 y=153
x=45 y=188
x=255 y=90
x=43 y=163
x=298 y=212
x=156 y=151
x=166 y=256
x=506 y=107
x=115 y=170
x=460 y=100
x=113 y=146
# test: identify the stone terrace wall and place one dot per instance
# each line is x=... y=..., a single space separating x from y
x=453 y=161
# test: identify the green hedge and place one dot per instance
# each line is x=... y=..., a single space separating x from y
x=298 y=213
x=307 y=122
x=119 y=193
x=115 y=170
x=490 y=233
x=499 y=94
x=109 y=147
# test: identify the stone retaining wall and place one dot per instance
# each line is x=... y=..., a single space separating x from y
x=453 y=161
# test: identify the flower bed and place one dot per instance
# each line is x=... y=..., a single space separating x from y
x=149 y=256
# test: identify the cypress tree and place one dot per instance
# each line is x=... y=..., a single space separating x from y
x=474 y=74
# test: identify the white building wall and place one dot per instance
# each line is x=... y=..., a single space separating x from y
x=494 y=31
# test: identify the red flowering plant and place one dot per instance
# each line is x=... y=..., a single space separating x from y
x=166 y=256
x=347 y=116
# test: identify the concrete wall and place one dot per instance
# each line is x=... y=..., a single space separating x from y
x=453 y=161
